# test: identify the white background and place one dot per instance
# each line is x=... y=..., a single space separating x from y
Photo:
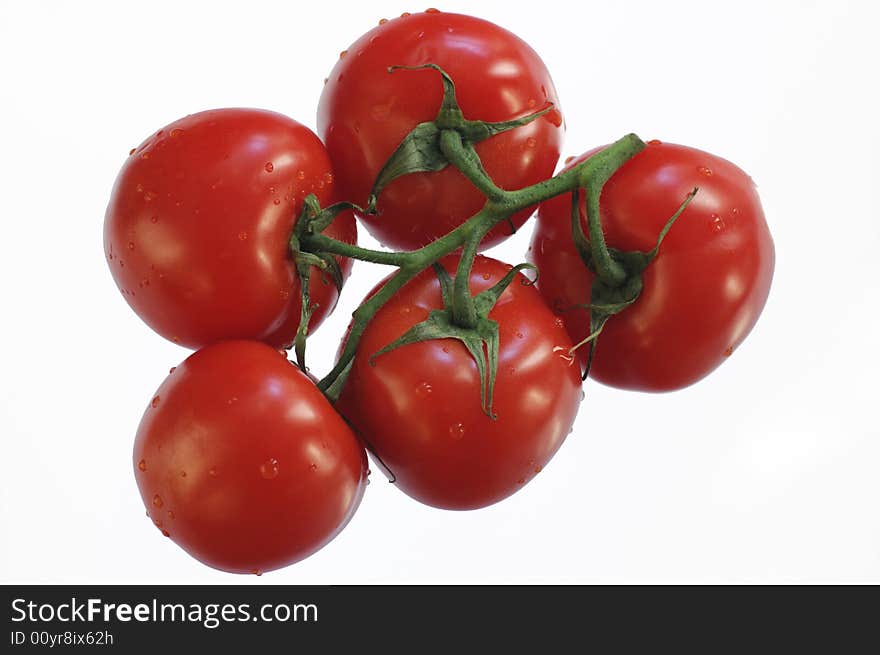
x=767 y=471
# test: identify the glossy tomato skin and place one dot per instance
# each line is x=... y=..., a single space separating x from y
x=419 y=410
x=365 y=112
x=702 y=294
x=198 y=223
x=243 y=463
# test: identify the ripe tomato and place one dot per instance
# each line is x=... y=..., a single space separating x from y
x=418 y=407
x=196 y=232
x=365 y=112
x=704 y=291
x=243 y=462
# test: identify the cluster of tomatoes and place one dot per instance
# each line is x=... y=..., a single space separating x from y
x=240 y=458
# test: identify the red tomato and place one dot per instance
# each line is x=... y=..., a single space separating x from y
x=198 y=224
x=244 y=463
x=704 y=291
x=365 y=112
x=418 y=407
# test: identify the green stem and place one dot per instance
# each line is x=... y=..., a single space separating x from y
x=464 y=312
x=323 y=243
x=598 y=167
x=465 y=159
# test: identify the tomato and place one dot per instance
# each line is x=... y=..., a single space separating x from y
x=196 y=232
x=365 y=112
x=418 y=407
x=243 y=462
x=704 y=291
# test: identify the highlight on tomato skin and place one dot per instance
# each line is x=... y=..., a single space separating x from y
x=196 y=231
x=365 y=112
x=703 y=293
x=418 y=407
x=244 y=463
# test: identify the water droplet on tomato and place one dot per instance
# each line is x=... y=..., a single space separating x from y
x=420 y=35
x=277 y=201
x=520 y=335
x=424 y=389
x=735 y=211
x=313 y=467
x=157 y=501
x=705 y=171
x=131 y=245
x=382 y=21
x=405 y=14
x=717 y=223
x=343 y=54
x=176 y=132
x=142 y=465
x=559 y=323
x=532 y=102
x=284 y=293
x=486 y=276
x=655 y=142
x=171 y=370
x=155 y=402
x=165 y=533
x=154 y=219
x=569 y=159
x=157 y=522
x=242 y=236
x=269 y=469
x=729 y=351
x=257 y=572
x=554 y=117
x=328 y=177
x=450 y=30
x=183 y=474
x=538 y=469
x=145 y=155
x=521 y=481
x=212 y=472
x=139 y=188
x=269 y=167
x=150 y=195
x=456 y=431
x=131 y=152
x=431 y=10
x=170 y=515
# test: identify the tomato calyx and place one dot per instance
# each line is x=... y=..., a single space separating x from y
x=312 y=219
x=618 y=274
x=448 y=139
x=480 y=339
